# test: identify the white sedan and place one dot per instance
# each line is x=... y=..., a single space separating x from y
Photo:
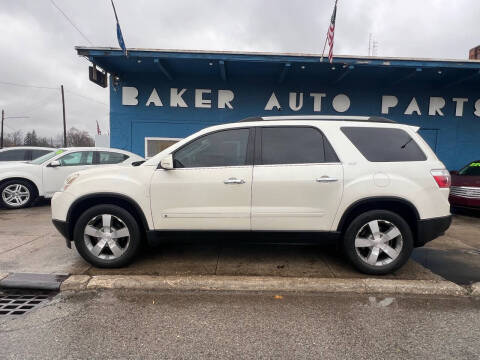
x=22 y=183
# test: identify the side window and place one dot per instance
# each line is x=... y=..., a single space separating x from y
x=384 y=144
x=108 y=157
x=13 y=155
x=295 y=145
x=77 y=158
x=222 y=148
x=37 y=153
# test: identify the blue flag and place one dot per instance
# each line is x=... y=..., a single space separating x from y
x=121 y=42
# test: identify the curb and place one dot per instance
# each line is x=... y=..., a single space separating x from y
x=263 y=283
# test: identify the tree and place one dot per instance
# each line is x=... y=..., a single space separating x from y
x=76 y=137
x=31 y=139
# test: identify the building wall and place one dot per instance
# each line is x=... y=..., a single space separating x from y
x=452 y=131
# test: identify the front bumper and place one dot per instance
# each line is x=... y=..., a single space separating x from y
x=63 y=228
x=461 y=201
x=429 y=229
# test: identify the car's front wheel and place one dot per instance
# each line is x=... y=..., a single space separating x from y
x=378 y=242
x=17 y=194
x=107 y=236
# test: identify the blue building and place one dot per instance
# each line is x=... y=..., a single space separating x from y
x=160 y=96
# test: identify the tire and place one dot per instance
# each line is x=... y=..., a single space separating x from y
x=91 y=234
x=17 y=194
x=362 y=251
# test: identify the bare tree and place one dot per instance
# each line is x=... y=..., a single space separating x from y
x=76 y=137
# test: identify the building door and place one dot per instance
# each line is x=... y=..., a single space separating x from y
x=210 y=185
x=297 y=180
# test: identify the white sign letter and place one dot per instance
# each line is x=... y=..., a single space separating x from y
x=436 y=106
x=413 y=107
x=225 y=97
x=459 y=107
x=200 y=102
x=388 y=101
x=176 y=98
x=129 y=95
x=292 y=101
x=272 y=102
x=317 y=101
x=154 y=99
x=341 y=103
x=477 y=108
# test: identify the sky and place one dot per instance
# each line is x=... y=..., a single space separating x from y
x=37 y=41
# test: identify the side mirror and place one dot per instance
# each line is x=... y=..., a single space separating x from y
x=454 y=172
x=54 y=163
x=167 y=162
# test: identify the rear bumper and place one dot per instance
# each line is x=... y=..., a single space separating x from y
x=63 y=228
x=429 y=229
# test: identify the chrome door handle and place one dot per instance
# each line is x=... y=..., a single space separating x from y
x=326 y=179
x=233 y=181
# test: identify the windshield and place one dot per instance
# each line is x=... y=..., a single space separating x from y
x=472 y=169
x=46 y=157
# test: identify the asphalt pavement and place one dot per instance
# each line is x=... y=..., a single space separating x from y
x=205 y=325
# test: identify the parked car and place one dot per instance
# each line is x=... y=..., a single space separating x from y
x=465 y=190
x=23 y=153
x=371 y=184
x=22 y=183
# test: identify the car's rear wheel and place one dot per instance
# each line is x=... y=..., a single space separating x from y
x=378 y=242
x=107 y=236
x=17 y=194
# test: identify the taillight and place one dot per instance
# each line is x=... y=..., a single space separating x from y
x=442 y=177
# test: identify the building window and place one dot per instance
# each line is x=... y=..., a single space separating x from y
x=154 y=145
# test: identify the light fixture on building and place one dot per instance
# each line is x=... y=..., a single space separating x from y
x=333 y=67
x=139 y=61
x=439 y=72
x=210 y=63
x=303 y=67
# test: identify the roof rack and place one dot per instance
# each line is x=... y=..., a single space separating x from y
x=376 y=119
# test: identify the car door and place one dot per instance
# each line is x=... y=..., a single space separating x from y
x=297 y=180
x=210 y=185
x=54 y=177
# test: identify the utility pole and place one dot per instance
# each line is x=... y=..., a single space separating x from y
x=1 y=137
x=64 y=121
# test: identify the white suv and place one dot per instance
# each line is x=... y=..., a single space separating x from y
x=371 y=184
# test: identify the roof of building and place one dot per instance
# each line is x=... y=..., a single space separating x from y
x=226 y=64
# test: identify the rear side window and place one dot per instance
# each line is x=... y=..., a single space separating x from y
x=37 y=153
x=384 y=144
x=13 y=155
x=295 y=145
x=108 y=157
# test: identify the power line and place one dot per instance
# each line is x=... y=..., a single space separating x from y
x=71 y=22
x=50 y=88
x=85 y=97
x=28 y=86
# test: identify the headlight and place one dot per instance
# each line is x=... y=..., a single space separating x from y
x=69 y=180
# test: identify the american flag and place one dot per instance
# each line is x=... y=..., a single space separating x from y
x=99 y=132
x=331 y=33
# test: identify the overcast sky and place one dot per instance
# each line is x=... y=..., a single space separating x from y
x=37 y=41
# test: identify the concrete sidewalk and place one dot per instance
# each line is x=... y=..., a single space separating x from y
x=30 y=243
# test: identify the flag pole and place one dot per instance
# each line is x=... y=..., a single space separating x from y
x=324 y=46
x=326 y=36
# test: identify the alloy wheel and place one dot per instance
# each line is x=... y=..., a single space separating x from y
x=15 y=195
x=378 y=242
x=106 y=237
